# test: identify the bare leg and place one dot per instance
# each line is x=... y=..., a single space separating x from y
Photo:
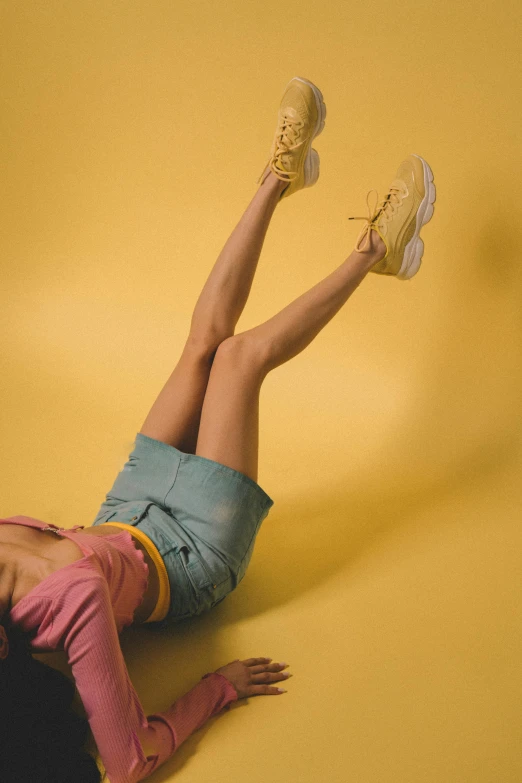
x=174 y=417
x=229 y=428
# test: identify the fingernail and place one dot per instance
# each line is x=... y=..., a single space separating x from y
x=281 y=690
x=286 y=674
x=282 y=664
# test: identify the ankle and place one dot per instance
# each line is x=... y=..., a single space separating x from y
x=273 y=182
x=377 y=245
x=374 y=248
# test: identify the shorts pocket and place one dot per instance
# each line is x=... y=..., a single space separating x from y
x=199 y=577
x=194 y=603
x=131 y=512
x=141 y=513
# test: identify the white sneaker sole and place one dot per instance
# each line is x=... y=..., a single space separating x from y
x=311 y=165
x=414 y=250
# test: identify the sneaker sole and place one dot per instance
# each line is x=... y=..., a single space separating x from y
x=414 y=250
x=311 y=165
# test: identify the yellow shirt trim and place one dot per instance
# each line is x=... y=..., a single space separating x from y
x=162 y=607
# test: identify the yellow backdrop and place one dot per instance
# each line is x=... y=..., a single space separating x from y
x=388 y=572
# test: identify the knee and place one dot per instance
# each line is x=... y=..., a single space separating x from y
x=201 y=347
x=244 y=352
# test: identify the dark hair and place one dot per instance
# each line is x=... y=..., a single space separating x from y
x=41 y=737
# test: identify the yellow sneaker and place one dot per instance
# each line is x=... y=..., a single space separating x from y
x=399 y=218
x=300 y=119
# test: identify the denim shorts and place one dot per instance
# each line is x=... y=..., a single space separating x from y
x=202 y=516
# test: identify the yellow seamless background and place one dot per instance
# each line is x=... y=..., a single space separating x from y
x=388 y=572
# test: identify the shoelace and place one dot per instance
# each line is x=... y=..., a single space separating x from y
x=387 y=209
x=286 y=138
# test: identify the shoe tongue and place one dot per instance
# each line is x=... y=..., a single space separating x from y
x=290 y=112
x=398 y=183
x=286 y=158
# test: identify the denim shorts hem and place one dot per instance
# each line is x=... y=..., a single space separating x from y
x=153 y=444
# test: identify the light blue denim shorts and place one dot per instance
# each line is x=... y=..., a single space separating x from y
x=202 y=516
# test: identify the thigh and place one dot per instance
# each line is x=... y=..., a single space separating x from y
x=229 y=425
x=175 y=415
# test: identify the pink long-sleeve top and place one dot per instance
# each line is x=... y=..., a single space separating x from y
x=81 y=609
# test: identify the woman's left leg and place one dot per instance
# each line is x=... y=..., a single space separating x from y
x=229 y=430
x=175 y=415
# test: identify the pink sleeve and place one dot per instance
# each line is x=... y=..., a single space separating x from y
x=84 y=625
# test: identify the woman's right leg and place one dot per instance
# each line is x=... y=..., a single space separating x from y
x=229 y=426
x=174 y=416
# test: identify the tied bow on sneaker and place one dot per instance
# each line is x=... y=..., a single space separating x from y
x=301 y=118
x=399 y=217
